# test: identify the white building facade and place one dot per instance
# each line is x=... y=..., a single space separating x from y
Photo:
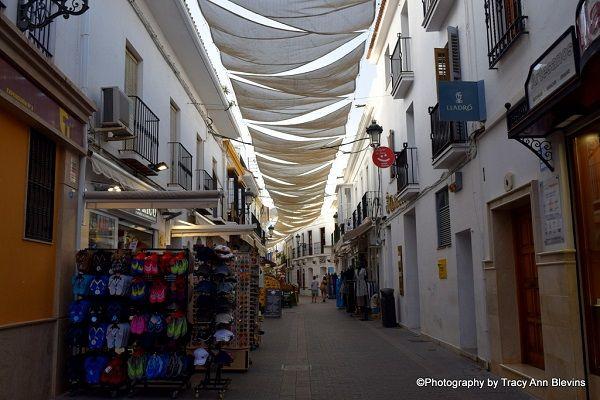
x=466 y=236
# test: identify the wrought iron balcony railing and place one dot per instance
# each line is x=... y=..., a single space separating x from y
x=181 y=166
x=400 y=61
x=505 y=23
x=145 y=129
x=205 y=181
x=406 y=167
x=444 y=133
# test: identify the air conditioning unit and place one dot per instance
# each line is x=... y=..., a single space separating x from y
x=115 y=116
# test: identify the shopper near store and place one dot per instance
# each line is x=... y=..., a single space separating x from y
x=323 y=289
x=362 y=292
x=314 y=289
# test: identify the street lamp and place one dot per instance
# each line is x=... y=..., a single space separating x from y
x=374 y=132
x=335 y=217
x=271 y=229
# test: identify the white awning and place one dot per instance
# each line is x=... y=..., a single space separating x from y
x=156 y=199
x=212 y=230
x=102 y=166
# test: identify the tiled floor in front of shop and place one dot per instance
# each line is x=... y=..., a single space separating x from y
x=318 y=352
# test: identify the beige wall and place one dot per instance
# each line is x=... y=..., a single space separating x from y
x=557 y=277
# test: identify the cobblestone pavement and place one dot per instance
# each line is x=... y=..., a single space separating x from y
x=318 y=352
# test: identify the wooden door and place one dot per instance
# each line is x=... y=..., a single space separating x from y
x=528 y=293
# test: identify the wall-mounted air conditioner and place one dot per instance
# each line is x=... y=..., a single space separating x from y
x=115 y=117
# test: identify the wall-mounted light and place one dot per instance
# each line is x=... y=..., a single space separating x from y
x=115 y=188
x=161 y=166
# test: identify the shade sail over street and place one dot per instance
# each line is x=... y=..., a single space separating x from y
x=292 y=88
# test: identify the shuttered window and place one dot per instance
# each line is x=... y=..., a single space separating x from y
x=131 y=74
x=39 y=212
x=442 y=64
x=454 y=53
x=392 y=145
x=442 y=206
x=388 y=69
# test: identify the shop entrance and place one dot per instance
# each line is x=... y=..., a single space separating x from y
x=528 y=293
x=586 y=174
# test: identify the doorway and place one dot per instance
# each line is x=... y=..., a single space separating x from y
x=466 y=292
x=409 y=265
x=528 y=293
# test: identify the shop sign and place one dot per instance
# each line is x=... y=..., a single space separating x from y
x=555 y=68
x=148 y=214
x=588 y=28
x=462 y=101
x=442 y=268
x=29 y=96
x=384 y=157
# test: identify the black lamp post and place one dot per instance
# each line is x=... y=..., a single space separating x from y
x=271 y=229
x=374 y=132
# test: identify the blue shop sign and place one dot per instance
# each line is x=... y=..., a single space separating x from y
x=461 y=101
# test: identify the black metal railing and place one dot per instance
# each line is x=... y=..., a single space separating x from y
x=444 y=133
x=428 y=7
x=354 y=224
x=370 y=204
x=37 y=13
x=145 y=129
x=505 y=22
x=337 y=233
x=406 y=167
x=400 y=60
x=205 y=181
x=181 y=166
x=317 y=248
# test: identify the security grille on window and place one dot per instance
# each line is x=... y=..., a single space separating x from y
x=442 y=206
x=505 y=24
x=39 y=213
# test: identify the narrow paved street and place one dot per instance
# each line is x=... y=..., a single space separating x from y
x=318 y=352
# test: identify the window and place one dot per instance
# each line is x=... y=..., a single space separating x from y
x=442 y=208
x=322 y=233
x=39 y=214
x=131 y=73
x=505 y=23
x=442 y=64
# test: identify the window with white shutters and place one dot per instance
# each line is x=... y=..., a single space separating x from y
x=442 y=205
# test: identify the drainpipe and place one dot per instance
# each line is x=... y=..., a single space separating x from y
x=84 y=60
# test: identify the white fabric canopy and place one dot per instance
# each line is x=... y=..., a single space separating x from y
x=335 y=79
x=318 y=16
x=296 y=159
x=247 y=46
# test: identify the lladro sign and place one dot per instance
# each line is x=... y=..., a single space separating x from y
x=552 y=70
x=462 y=101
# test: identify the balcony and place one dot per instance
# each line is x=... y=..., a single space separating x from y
x=181 y=166
x=401 y=68
x=141 y=152
x=505 y=23
x=36 y=14
x=435 y=13
x=407 y=173
x=449 y=140
x=370 y=205
x=205 y=181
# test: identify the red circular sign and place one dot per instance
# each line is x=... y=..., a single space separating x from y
x=383 y=157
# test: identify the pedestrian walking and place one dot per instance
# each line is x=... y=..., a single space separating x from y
x=314 y=289
x=323 y=289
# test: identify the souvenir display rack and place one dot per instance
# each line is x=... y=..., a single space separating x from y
x=214 y=302
x=166 y=346
x=128 y=325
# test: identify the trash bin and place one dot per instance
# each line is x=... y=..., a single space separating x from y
x=388 y=308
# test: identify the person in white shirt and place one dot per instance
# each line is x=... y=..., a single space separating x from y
x=314 y=289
